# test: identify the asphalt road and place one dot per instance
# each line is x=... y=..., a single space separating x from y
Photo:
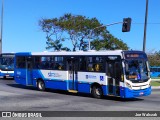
x=15 y=97
x=18 y=97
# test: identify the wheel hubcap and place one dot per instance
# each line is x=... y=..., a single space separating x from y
x=98 y=91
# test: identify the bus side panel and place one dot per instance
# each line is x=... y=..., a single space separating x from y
x=20 y=76
x=52 y=79
x=105 y=89
x=122 y=90
x=56 y=84
x=86 y=79
x=84 y=87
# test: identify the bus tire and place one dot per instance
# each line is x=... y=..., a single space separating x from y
x=40 y=85
x=97 y=91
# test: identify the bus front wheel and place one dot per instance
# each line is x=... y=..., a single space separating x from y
x=41 y=85
x=97 y=92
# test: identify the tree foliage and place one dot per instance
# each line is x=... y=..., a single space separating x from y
x=78 y=30
x=154 y=59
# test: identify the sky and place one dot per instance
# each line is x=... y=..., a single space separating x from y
x=21 y=32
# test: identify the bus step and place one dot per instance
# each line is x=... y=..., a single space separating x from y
x=113 y=95
x=73 y=91
x=29 y=85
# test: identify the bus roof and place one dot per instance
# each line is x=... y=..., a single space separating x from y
x=91 y=52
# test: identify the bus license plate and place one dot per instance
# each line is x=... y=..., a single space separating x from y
x=141 y=93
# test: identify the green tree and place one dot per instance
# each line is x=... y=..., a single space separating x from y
x=78 y=30
x=108 y=42
x=154 y=59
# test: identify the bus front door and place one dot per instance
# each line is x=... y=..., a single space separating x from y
x=29 y=80
x=72 y=74
x=114 y=77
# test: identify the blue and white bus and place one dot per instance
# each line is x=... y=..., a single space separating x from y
x=155 y=71
x=7 y=65
x=119 y=73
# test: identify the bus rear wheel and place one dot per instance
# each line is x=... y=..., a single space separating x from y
x=40 y=85
x=97 y=92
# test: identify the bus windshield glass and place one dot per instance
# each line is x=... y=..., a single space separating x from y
x=136 y=70
x=7 y=63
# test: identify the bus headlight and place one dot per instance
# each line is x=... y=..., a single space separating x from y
x=128 y=85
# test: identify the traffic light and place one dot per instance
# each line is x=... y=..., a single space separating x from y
x=126 y=24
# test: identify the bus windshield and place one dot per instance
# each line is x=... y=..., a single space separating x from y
x=136 y=70
x=6 y=63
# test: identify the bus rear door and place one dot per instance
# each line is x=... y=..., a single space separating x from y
x=29 y=80
x=72 y=74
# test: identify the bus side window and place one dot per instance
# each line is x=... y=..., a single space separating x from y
x=56 y=66
x=51 y=65
x=90 y=67
x=21 y=62
x=97 y=67
x=60 y=67
x=82 y=64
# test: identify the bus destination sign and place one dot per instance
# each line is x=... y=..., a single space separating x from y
x=135 y=55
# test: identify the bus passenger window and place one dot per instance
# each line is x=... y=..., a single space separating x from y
x=60 y=67
x=51 y=65
x=90 y=67
x=56 y=66
x=82 y=64
x=97 y=67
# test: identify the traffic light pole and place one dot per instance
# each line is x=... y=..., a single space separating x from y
x=89 y=41
x=145 y=27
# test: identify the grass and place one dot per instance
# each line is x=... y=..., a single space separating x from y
x=155 y=78
x=155 y=83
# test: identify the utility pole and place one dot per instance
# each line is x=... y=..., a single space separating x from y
x=145 y=27
x=1 y=27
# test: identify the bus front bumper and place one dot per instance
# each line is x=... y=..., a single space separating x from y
x=7 y=73
x=128 y=93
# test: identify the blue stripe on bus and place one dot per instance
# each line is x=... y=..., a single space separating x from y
x=84 y=87
x=61 y=85
x=105 y=89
